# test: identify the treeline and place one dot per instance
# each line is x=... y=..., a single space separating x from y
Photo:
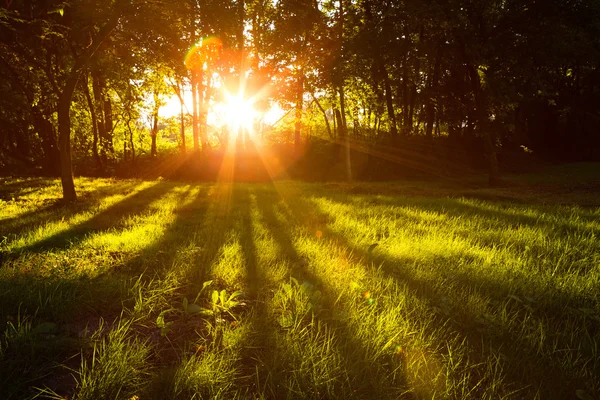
x=83 y=81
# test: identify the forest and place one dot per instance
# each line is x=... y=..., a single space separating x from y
x=107 y=88
x=299 y=199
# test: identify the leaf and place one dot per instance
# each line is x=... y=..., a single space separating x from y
x=286 y=320
x=165 y=329
x=61 y=11
x=206 y=284
x=235 y=295
x=194 y=309
x=372 y=247
x=223 y=297
x=316 y=296
x=215 y=297
x=160 y=320
x=306 y=287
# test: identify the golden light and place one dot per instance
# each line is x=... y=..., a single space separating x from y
x=239 y=112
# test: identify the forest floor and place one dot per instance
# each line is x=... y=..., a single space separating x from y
x=290 y=290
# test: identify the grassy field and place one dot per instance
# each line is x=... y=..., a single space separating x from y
x=412 y=290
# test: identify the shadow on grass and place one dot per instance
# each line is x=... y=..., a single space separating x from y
x=195 y=237
x=74 y=306
x=521 y=357
x=506 y=212
x=103 y=221
x=55 y=210
x=385 y=379
x=21 y=188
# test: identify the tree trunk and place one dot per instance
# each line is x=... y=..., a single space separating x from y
x=380 y=71
x=483 y=125
x=109 y=125
x=195 y=111
x=93 y=117
x=430 y=107
x=98 y=84
x=64 y=129
x=406 y=123
x=154 y=130
x=389 y=102
x=299 y=105
x=182 y=120
x=202 y=113
x=64 y=108
x=131 y=138
x=327 y=125
x=334 y=112
x=343 y=126
x=340 y=124
x=50 y=149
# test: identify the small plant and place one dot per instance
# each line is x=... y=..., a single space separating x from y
x=162 y=325
x=296 y=302
x=187 y=310
x=221 y=303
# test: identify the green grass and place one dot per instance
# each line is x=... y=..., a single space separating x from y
x=470 y=293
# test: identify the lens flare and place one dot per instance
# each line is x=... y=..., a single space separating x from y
x=203 y=54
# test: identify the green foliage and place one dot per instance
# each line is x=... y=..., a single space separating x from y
x=117 y=368
x=297 y=304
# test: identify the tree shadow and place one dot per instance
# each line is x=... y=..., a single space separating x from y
x=77 y=304
x=55 y=210
x=353 y=352
x=9 y=190
x=478 y=330
x=505 y=211
x=201 y=224
x=108 y=219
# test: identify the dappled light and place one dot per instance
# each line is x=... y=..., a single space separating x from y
x=294 y=199
x=304 y=287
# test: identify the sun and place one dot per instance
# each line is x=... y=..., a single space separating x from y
x=239 y=112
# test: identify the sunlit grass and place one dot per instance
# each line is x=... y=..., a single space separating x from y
x=413 y=290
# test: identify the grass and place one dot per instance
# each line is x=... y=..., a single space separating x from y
x=412 y=290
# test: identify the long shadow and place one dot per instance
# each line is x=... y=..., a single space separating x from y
x=392 y=268
x=353 y=352
x=254 y=277
x=259 y=325
x=74 y=305
x=100 y=294
x=460 y=209
x=457 y=209
x=109 y=218
x=218 y=224
x=9 y=190
x=55 y=210
x=464 y=211
x=506 y=343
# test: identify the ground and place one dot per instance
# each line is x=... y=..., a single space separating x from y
x=285 y=290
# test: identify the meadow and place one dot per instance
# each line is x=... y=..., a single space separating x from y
x=290 y=290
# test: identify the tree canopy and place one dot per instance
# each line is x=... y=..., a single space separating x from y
x=82 y=82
